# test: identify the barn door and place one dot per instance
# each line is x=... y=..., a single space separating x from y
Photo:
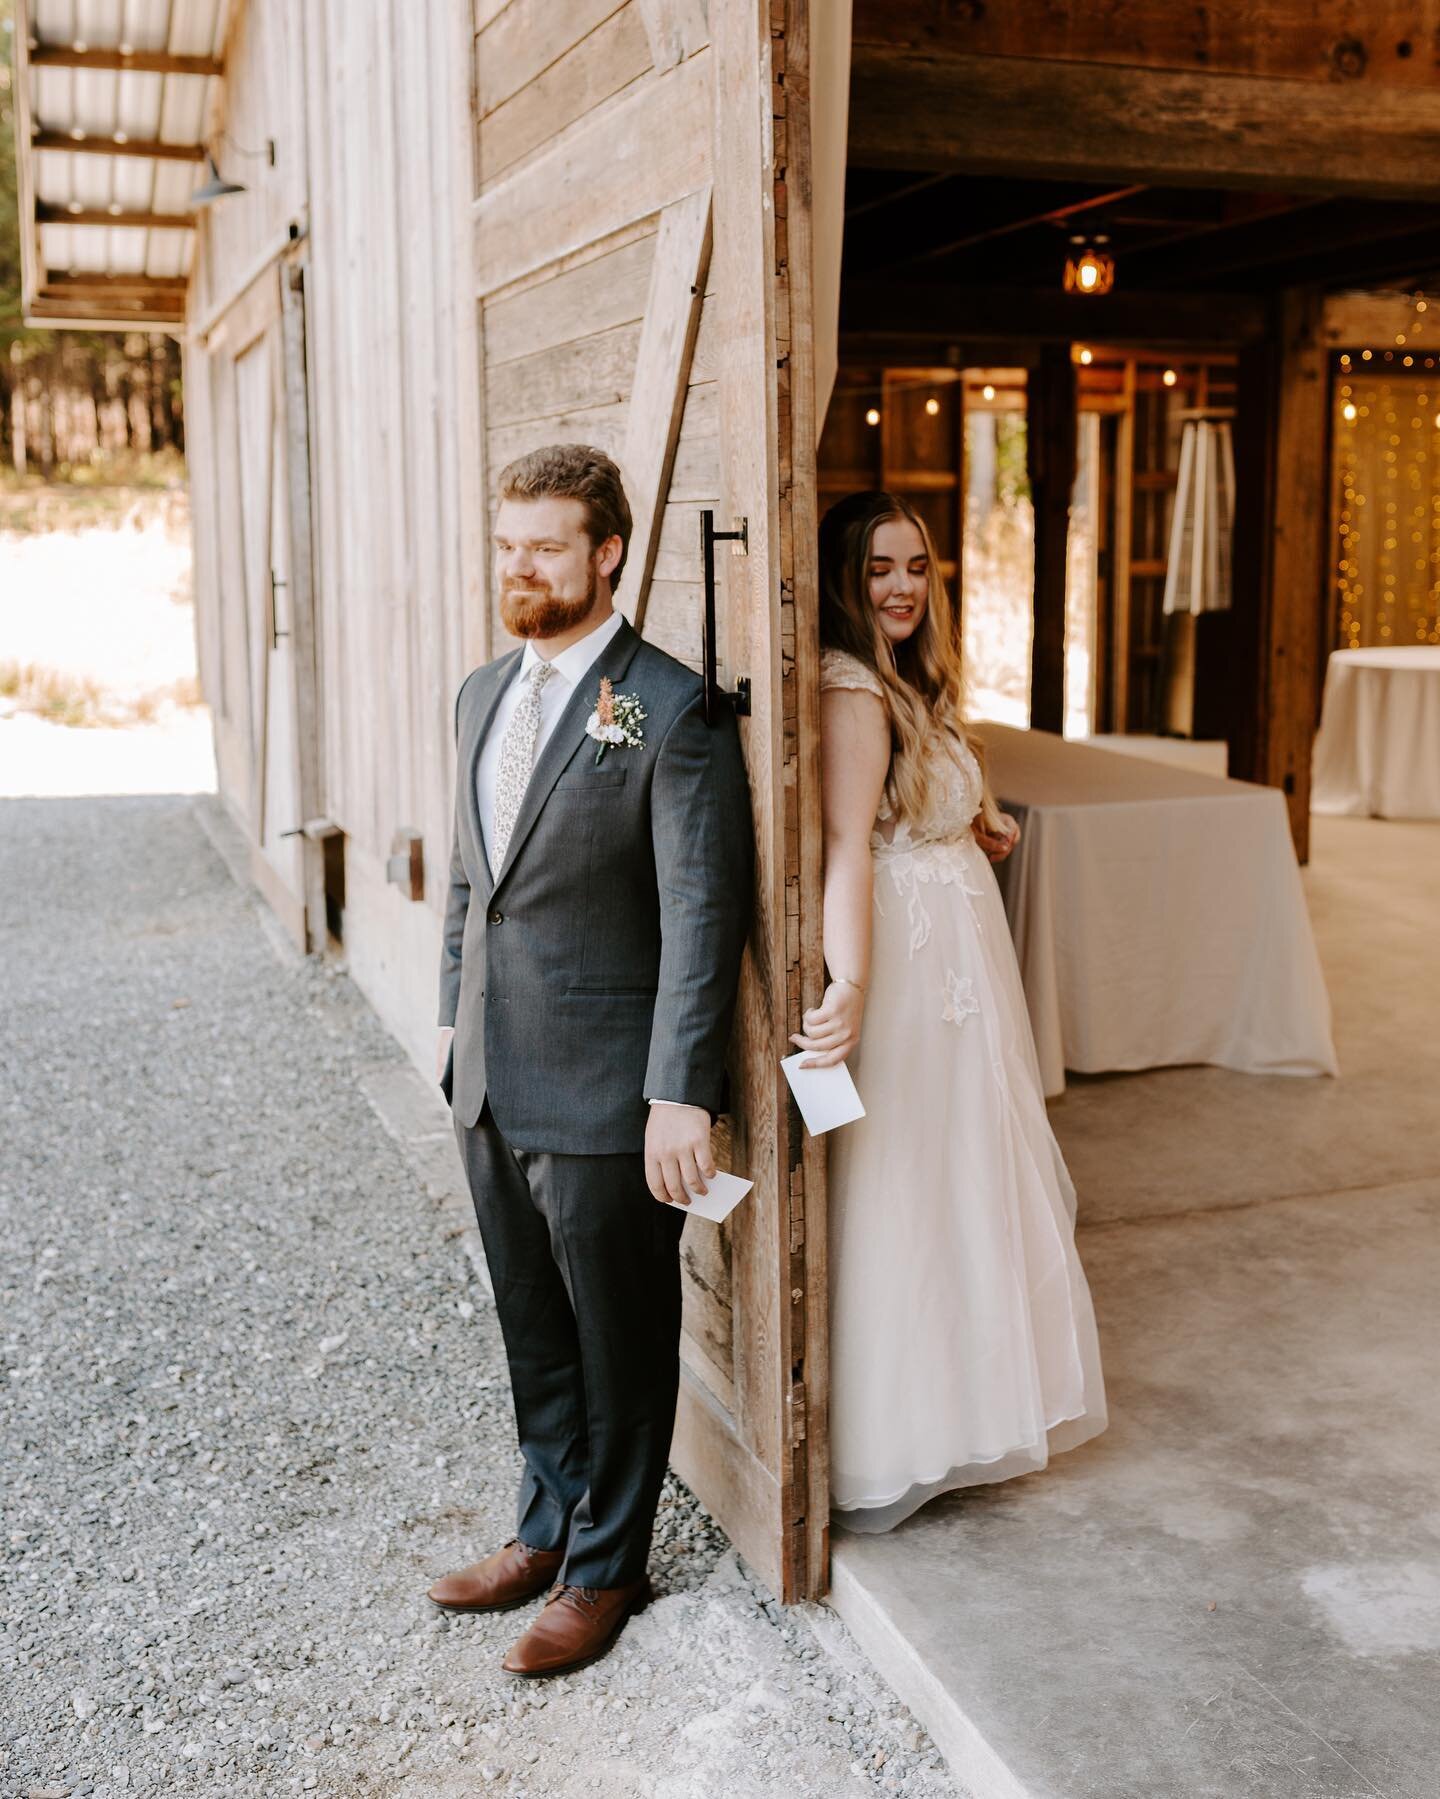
x=274 y=570
x=639 y=225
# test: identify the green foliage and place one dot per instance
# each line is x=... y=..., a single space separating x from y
x=1012 y=471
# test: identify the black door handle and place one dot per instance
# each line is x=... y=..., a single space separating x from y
x=715 y=694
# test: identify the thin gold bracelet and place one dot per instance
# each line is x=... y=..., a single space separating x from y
x=843 y=980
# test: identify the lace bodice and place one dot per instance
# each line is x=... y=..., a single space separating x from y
x=956 y=785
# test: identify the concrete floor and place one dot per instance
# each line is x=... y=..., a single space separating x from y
x=1236 y=1590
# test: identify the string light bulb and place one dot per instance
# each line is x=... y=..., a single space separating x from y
x=1347 y=412
x=932 y=406
x=1169 y=377
x=872 y=416
x=1087 y=356
x=987 y=392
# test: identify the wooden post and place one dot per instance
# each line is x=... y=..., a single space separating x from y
x=1050 y=451
x=1296 y=599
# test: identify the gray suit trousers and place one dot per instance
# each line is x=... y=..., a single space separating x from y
x=586 y=1268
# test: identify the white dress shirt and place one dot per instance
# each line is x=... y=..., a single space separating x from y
x=570 y=669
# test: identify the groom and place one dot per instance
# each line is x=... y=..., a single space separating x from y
x=600 y=891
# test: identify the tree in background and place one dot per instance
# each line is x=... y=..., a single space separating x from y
x=71 y=397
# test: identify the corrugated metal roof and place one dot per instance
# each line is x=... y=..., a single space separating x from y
x=110 y=125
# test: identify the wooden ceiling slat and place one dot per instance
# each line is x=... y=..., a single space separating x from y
x=140 y=62
x=49 y=214
x=149 y=148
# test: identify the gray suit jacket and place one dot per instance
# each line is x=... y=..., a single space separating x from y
x=597 y=968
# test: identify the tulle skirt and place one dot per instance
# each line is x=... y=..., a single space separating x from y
x=962 y=1338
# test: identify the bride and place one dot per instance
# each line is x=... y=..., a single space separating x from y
x=962 y=1339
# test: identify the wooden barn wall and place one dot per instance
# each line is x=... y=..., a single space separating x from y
x=396 y=478
x=562 y=340
x=370 y=110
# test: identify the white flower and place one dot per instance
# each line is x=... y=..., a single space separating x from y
x=960 y=1000
x=617 y=719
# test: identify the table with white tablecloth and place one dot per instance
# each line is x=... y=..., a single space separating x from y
x=1377 y=753
x=1157 y=913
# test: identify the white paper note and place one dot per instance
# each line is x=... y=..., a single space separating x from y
x=725 y=1193
x=826 y=1096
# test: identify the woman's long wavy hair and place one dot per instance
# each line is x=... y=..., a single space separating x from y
x=922 y=678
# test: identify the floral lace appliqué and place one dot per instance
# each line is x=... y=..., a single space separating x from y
x=960 y=1000
x=913 y=867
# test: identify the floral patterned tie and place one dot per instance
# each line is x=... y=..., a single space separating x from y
x=517 y=757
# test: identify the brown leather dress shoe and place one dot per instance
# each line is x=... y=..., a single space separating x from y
x=576 y=1627
x=502 y=1581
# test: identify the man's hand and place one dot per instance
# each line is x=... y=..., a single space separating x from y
x=442 y=1049
x=997 y=845
x=677 y=1153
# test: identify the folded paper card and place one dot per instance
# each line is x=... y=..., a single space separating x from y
x=725 y=1193
x=826 y=1096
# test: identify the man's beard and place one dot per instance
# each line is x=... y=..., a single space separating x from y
x=536 y=612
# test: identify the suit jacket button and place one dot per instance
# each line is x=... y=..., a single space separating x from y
x=497 y=918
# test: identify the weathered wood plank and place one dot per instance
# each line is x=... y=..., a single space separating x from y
x=657 y=401
x=608 y=290
x=992 y=115
x=695 y=475
x=593 y=371
x=636 y=158
x=616 y=53
x=1378 y=321
x=1389 y=44
x=801 y=410
x=676 y=29
x=672 y=618
x=528 y=38
x=603 y=426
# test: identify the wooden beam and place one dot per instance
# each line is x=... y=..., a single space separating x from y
x=1050 y=453
x=47 y=213
x=61 y=281
x=954 y=311
x=31 y=265
x=1375 y=321
x=149 y=148
x=140 y=62
x=103 y=314
x=1086 y=121
x=662 y=375
x=1322 y=41
x=1298 y=562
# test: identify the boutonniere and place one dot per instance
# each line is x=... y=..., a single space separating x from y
x=617 y=719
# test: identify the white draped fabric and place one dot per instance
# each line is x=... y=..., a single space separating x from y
x=1378 y=749
x=1158 y=915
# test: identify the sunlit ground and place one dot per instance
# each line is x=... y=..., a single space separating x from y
x=98 y=688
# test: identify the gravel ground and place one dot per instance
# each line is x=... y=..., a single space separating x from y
x=253 y=1400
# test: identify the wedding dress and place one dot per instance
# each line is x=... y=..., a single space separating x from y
x=962 y=1339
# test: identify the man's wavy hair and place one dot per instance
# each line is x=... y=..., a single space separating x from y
x=576 y=472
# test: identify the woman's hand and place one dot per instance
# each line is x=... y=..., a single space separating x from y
x=832 y=1029
x=997 y=845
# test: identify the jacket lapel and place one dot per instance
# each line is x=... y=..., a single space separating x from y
x=567 y=737
x=487 y=701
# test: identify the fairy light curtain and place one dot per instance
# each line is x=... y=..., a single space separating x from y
x=1197 y=572
x=1387 y=468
